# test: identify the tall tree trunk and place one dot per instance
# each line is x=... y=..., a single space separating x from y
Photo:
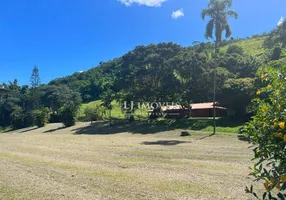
x=214 y=91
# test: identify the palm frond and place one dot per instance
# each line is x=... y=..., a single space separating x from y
x=209 y=29
x=218 y=11
x=205 y=13
x=228 y=31
x=232 y=13
x=208 y=12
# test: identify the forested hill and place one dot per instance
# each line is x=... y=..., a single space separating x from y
x=156 y=63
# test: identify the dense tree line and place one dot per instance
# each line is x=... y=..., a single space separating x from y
x=23 y=106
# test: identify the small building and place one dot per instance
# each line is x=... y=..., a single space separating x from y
x=197 y=110
x=206 y=110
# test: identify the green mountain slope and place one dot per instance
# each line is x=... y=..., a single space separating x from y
x=252 y=46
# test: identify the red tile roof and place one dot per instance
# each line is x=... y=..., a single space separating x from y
x=195 y=106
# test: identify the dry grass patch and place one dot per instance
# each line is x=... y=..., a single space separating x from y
x=59 y=164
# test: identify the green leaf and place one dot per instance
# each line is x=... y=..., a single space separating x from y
x=281 y=196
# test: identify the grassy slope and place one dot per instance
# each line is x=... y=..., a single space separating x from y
x=252 y=46
x=116 y=111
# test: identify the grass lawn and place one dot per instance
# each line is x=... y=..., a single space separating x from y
x=221 y=129
x=115 y=112
x=121 y=162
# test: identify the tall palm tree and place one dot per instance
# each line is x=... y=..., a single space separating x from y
x=218 y=11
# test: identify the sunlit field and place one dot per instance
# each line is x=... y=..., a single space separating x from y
x=127 y=162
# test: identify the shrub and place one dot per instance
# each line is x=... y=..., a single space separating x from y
x=94 y=113
x=67 y=114
x=235 y=49
x=267 y=131
x=41 y=116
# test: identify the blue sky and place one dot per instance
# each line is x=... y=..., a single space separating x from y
x=66 y=36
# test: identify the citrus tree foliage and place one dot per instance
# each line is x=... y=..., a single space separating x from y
x=267 y=131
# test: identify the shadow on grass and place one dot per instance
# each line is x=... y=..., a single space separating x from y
x=165 y=142
x=205 y=137
x=18 y=130
x=200 y=123
x=7 y=131
x=56 y=129
x=152 y=127
x=30 y=129
x=103 y=128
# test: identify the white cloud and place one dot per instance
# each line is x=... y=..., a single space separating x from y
x=280 y=21
x=151 y=3
x=178 y=13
